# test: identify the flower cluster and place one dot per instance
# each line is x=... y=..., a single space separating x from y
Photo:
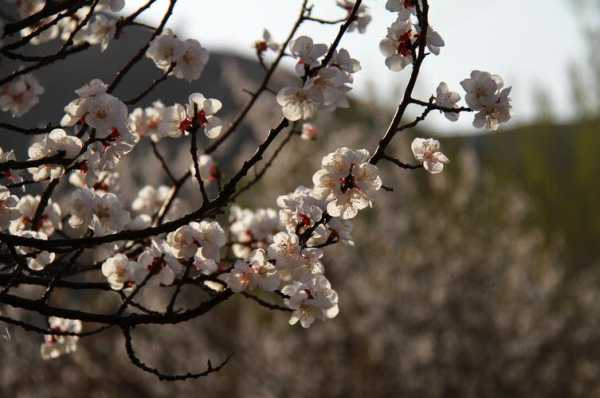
x=108 y=117
x=322 y=87
x=283 y=250
x=265 y=43
x=20 y=95
x=150 y=200
x=142 y=239
x=403 y=36
x=56 y=142
x=427 y=151
x=56 y=345
x=187 y=58
x=196 y=246
x=362 y=18
x=37 y=260
x=26 y=208
x=101 y=212
x=86 y=25
x=487 y=96
x=99 y=28
x=159 y=121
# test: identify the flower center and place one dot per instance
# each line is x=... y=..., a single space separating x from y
x=202 y=118
x=405 y=44
x=185 y=125
x=304 y=219
x=153 y=123
x=156 y=265
x=347 y=183
x=261 y=46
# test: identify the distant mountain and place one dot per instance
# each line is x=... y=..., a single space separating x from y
x=64 y=76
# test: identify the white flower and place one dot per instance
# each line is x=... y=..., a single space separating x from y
x=27 y=8
x=165 y=50
x=183 y=241
x=447 y=99
x=189 y=56
x=56 y=345
x=68 y=24
x=151 y=122
x=101 y=31
x=255 y=273
x=266 y=43
x=404 y=8
x=481 y=88
x=427 y=151
x=92 y=89
x=205 y=237
x=285 y=250
x=211 y=238
x=7 y=155
x=157 y=260
x=334 y=231
x=191 y=63
x=10 y=175
x=311 y=299
x=119 y=271
x=149 y=200
x=345 y=62
x=107 y=181
x=104 y=156
x=205 y=265
x=252 y=229
x=291 y=260
x=20 y=95
x=106 y=114
x=492 y=115
x=102 y=111
x=203 y=110
x=141 y=221
x=114 y=5
x=307 y=53
x=82 y=208
x=309 y=132
x=55 y=142
x=434 y=41
x=397 y=45
x=346 y=181
x=362 y=18
x=485 y=94
x=331 y=82
x=208 y=168
x=27 y=206
x=76 y=110
x=299 y=209
x=37 y=260
x=299 y=103
x=109 y=214
x=8 y=204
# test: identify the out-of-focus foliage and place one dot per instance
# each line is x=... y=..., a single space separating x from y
x=585 y=75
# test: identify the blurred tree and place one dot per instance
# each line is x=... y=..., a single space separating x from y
x=586 y=94
x=543 y=103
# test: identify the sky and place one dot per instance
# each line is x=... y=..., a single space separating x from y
x=530 y=43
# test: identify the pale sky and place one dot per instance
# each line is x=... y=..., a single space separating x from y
x=528 y=42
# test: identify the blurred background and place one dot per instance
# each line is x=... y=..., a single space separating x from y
x=480 y=282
